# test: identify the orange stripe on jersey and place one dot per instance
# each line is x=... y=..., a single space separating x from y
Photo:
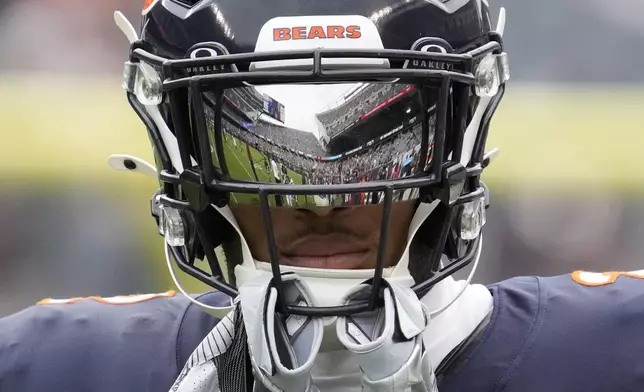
x=593 y=279
x=118 y=300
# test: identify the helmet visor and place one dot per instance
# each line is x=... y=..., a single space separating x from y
x=321 y=134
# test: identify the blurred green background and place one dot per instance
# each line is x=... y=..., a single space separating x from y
x=567 y=189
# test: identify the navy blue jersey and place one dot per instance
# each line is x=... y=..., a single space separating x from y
x=545 y=334
x=135 y=343
x=579 y=333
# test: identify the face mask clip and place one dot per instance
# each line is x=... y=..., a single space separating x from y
x=452 y=183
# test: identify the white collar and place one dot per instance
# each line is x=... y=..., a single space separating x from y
x=451 y=327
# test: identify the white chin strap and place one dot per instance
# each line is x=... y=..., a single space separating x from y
x=467 y=281
x=327 y=286
x=217 y=311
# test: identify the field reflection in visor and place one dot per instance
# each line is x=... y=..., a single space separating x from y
x=322 y=134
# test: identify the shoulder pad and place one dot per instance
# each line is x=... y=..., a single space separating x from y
x=101 y=344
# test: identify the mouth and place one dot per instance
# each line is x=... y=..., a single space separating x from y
x=330 y=252
x=355 y=260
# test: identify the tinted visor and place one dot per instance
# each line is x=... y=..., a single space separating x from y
x=322 y=134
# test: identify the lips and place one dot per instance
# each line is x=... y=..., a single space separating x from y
x=326 y=251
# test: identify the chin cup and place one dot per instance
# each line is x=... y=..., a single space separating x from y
x=388 y=341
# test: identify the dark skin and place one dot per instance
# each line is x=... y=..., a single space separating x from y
x=327 y=237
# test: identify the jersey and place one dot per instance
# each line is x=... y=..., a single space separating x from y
x=579 y=333
x=128 y=343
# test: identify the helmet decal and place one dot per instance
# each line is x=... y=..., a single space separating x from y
x=316 y=32
x=431 y=45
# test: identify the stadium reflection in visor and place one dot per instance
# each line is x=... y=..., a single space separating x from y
x=322 y=134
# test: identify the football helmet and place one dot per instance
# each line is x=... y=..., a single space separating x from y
x=274 y=105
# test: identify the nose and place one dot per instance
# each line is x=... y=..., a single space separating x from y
x=321 y=220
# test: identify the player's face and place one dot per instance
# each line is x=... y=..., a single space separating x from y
x=327 y=237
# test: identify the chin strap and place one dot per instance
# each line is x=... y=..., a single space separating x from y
x=255 y=348
x=388 y=342
x=282 y=347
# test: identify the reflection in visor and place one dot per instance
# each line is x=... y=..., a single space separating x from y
x=322 y=135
